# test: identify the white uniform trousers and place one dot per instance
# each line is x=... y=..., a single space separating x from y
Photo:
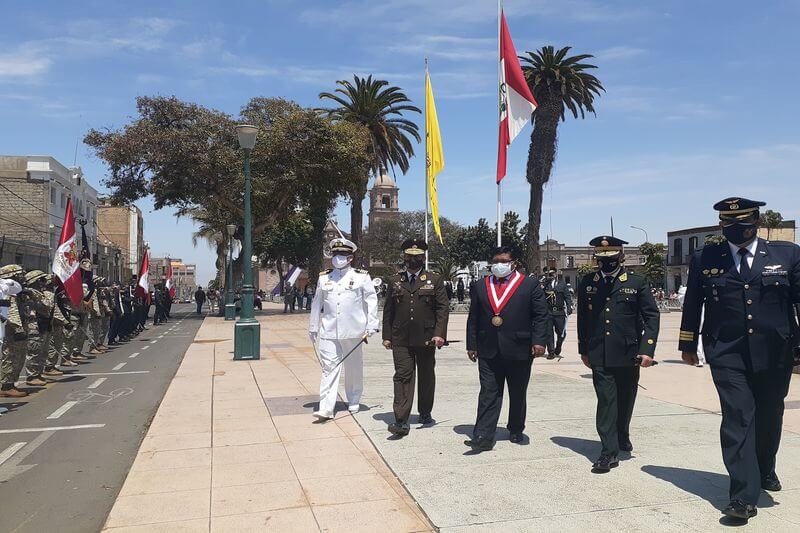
x=331 y=352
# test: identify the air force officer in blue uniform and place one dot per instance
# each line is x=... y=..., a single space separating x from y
x=748 y=287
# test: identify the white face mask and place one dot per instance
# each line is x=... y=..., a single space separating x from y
x=501 y=270
x=340 y=261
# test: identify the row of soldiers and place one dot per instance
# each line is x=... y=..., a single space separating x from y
x=42 y=330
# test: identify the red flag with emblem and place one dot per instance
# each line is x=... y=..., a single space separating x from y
x=516 y=101
x=67 y=260
x=142 y=286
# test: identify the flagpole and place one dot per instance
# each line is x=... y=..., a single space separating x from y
x=427 y=163
x=499 y=78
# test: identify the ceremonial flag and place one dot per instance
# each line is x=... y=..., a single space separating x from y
x=516 y=101
x=143 y=286
x=170 y=288
x=66 y=262
x=434 y=157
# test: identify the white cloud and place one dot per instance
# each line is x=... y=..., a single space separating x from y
x=448 y=47
x=26 y=62
x=619 y=53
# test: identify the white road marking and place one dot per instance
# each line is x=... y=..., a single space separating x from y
x=133 y=355
x=153 y=342
x=119 y=366
x=112 y=373
x=161 y=336
x=61 y=410
x=96 y=383
x=56 y=428
x=145 y=347
x=11 y=450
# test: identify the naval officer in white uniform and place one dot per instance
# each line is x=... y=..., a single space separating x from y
x=344 y=310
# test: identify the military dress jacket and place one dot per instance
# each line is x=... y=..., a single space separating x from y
x=559 y=299
x=748 y=323
x=345 y=305
x=415 y=313
x=617 y=321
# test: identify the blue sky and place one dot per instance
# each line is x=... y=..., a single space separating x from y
x=699 y=102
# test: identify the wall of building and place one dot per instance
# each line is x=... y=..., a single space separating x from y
x=122 y=225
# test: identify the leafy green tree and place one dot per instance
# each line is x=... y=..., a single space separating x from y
x=655 y=260
x=187 y=157
x=290 y=241
x=475 y=243
x=771 y=220
x=558 y=83
x=380 y=109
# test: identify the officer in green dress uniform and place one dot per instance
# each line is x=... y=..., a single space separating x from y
x=618 y=322
x=415 y=317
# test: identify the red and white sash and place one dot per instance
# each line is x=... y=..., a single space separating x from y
x=499 y=302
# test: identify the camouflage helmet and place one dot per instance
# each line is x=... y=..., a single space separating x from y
x=9 y=271
x=34 y=276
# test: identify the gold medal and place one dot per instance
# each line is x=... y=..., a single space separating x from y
x=497 y=321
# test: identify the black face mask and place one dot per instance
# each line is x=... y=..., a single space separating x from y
x=608 y=264
x=414 y=263
x=739 y=233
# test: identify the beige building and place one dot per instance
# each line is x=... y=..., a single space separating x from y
x=33 y=200
x=568 y=259
x=184 y=277
x=384 y=198
x=683 y=242
x=123 y=226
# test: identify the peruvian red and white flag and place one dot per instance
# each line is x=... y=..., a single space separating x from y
x=143 y=286
x=516 y=101
x=67 y=259
x=170 y=288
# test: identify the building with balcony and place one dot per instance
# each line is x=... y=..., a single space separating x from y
x=568 y=259
x=683 y=243
x=33 y=200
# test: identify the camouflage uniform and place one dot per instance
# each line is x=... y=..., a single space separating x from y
x=105 y=323
x=81 y=323
x=95 y=319
x=38 y=326
x=15 y=345
x=58 y=336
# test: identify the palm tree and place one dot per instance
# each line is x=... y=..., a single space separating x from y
x=557 y=82
x=379 y=108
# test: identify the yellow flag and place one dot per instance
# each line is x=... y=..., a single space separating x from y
x=434 y=158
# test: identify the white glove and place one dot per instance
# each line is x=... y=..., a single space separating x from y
x=313 y=336
x=371 y=332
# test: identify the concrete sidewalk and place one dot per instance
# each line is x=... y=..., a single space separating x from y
x=673 y=481
x=233 y=448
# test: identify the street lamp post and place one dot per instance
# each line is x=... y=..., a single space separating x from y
x=230 y=307
x=642 y=230
x=247 y=332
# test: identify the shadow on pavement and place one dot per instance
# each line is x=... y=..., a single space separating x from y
x=585 y=447
x=710 y=486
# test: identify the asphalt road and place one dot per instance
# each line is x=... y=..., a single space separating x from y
x=65 y=451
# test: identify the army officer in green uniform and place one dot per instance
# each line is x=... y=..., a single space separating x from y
x=415 y=318
x=618 y=322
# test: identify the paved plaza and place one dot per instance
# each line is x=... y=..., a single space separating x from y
x=233 y=448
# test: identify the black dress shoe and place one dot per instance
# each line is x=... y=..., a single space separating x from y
x=425 y=419
x=626 y=446
x=480 y=443
x=738 y=509
x=517 y=438
x=771 y=482
x=399 y=428
x=604 y=464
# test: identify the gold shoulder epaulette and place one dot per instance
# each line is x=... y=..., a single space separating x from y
x=327 y=271
x=362 y=271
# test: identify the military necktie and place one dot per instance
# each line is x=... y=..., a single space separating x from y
x=411 y=279
x=744 y=266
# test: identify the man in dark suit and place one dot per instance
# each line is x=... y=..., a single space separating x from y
x=559 y=303
x=747 y=287
x=506 y=329
x=618 y=322
x=414 y=324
